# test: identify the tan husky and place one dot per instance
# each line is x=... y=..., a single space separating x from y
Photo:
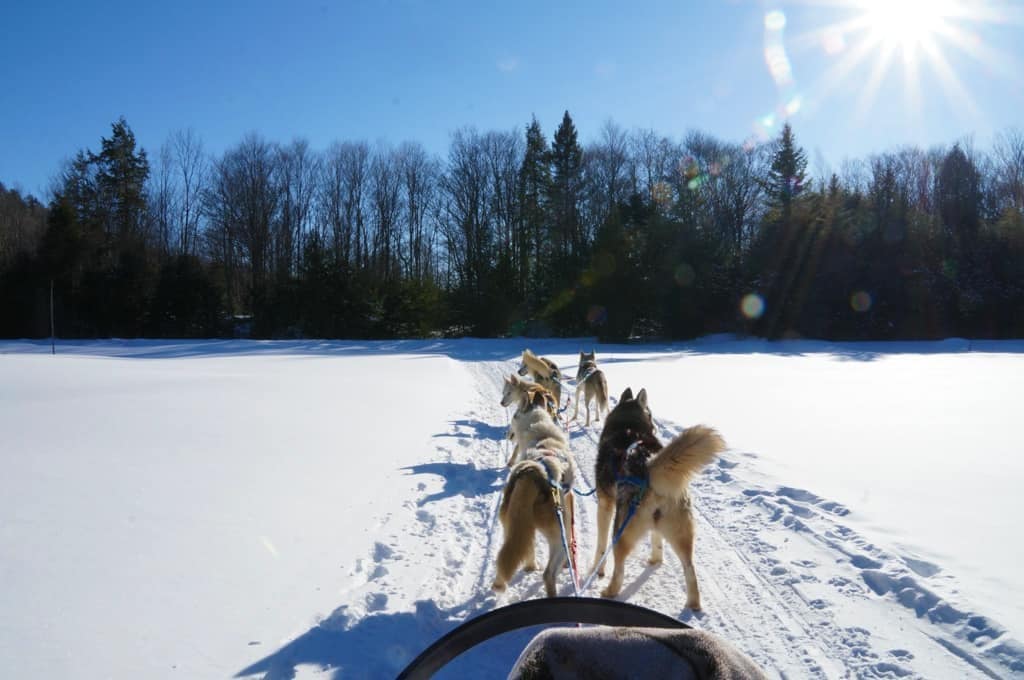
x=543 y=477
x=543 y=371
x=517 y=391
x=591 y=382
x=634 y=470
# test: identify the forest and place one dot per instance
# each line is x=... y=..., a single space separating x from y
x=632 y=236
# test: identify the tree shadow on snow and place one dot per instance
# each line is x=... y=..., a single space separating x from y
x=506 y=349
x=460 y=479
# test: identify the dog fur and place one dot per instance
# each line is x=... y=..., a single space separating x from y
x=594 y=386
x=527 y=502
x=544 y=372
x=665 y=508
x=521 y=393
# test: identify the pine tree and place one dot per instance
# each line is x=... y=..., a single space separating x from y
x=788 y=172
x=564 y=195
x=121 y=173
x=534 y=185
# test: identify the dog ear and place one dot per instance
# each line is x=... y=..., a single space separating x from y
x=627 y=395
x=539 y=399
x=642 y=397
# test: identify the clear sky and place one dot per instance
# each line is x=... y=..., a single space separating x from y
x=854 y=76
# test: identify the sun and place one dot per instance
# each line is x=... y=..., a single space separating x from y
x=865 y=42
x=909 y=24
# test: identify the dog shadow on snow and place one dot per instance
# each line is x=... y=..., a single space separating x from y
x=460 y=479
x=467 y=430
x=381 y=645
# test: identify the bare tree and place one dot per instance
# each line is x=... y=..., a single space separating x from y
x=385 y=210
x=342 y=201
x=607 y=171
x=243 y=201
x=653 y=157
x=299 y=168
x=163 y=197
x=419 y=173
x=503 y=154
x=466 y=200
x=1008 y=157
x=192 y=170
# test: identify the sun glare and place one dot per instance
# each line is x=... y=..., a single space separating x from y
x=868 y=41
x=907 y=23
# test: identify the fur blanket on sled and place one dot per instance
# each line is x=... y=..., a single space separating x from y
x=606 y=652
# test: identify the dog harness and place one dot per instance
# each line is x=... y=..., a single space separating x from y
x=559 y=489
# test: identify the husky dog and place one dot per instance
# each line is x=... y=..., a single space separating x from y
x=520 y=392
x=545 y=473
x=544 y=371
x=634 y=470
x=591 y=381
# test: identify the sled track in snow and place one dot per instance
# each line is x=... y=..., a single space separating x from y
x=782 y=576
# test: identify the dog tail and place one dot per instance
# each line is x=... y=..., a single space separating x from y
x=672 y=468
x=602 y=390
x=527 y=490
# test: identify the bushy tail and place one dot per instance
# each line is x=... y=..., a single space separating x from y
x=602 y=391
x=527 y=487
x=672 y=468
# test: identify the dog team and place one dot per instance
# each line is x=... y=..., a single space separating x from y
x=641 y=484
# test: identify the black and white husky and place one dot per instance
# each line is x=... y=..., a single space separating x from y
x=639 y=477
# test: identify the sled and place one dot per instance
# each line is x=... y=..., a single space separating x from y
x=544 y=611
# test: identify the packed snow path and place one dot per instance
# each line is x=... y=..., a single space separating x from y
x=782 y=577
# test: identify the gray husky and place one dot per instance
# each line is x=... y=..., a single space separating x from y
x=591 y=382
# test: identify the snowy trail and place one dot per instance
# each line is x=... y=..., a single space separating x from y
x=782 y=577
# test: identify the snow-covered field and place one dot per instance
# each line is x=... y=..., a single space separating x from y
x=328 y=509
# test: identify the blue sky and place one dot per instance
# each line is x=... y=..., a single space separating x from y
x=408 y=69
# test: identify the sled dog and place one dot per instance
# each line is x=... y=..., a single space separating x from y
x=634 y=468
x=521 y=392
x=591 y=382
x=544 y=475
x=544 y=371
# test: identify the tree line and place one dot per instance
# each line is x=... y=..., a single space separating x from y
x=633 y=235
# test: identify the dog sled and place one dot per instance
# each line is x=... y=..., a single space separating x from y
x=626 y=641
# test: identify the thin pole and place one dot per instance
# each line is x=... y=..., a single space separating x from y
x=53 y=341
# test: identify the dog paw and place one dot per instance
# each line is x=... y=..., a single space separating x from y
x=530 y=566
x=654 y=561
x=693 y=604
x=609 y=593
x=498 y=587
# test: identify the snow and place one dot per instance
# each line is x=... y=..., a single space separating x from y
x=209 y=509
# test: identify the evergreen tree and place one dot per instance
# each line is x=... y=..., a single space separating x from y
x=121 y=173
x=534 y=185
x=565 y=190
x=787 y=175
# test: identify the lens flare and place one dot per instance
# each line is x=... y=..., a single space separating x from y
x=860 y=301
x=270 y=547
x=775 y=20
x=685 y=274
x=752 y=306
